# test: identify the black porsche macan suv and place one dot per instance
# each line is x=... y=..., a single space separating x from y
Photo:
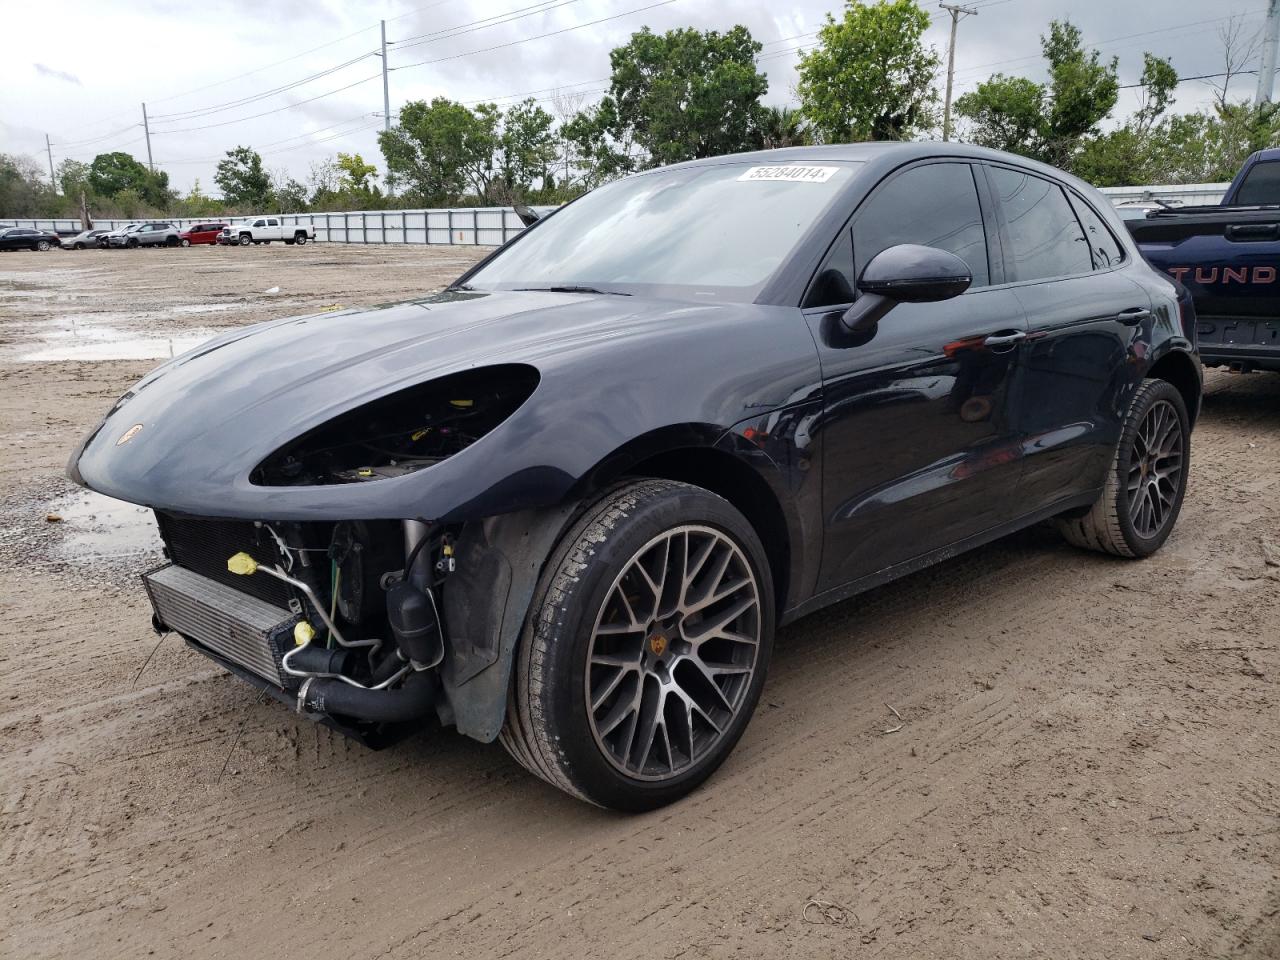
x=566 y=502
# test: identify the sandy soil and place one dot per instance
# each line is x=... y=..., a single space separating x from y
x=1087 y=763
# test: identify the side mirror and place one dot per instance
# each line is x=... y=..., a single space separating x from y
x=906 y=273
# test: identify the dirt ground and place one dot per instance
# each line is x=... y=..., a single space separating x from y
x=1087 y=764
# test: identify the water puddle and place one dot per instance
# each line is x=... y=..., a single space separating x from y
x=97 y=527
x=203 y=308
x=88 y=337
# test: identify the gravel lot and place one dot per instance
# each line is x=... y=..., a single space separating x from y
x=1087 y=765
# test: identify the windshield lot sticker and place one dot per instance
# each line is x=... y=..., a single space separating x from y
x=791 y=174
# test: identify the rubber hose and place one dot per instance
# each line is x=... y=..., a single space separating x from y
x=412 y=700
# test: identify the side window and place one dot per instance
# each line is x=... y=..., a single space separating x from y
x=259 y=223
x=273 y=223
x=1261 y=185
x=1045 y=237
x=935 y=205
x=1103 y=245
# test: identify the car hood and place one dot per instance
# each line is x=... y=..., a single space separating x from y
x=209 y=416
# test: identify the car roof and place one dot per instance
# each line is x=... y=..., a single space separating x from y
x=886 y=154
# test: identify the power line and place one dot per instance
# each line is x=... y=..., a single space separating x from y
x=198 y=112
x=541 y=36
x=267 y=113
x=447 y=33
x=1098 y=43
x=266 y=66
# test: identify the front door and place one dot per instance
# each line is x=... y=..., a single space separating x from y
x=918 y=447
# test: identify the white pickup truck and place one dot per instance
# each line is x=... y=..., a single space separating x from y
x=266 y=229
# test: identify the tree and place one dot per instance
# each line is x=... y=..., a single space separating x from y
x=1050 y=121
x=112 y=174
x=441 y=148
x=21 y=190
x=287 y=194
x=687 y=94
x=73 y=177
x=357 y=174
x=241 y=178
x=783 y=127
x=527 y=148
x=870 y=77
x=1138 y=151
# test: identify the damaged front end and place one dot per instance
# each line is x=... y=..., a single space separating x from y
x=341 y=621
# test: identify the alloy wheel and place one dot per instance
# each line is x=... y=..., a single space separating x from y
x=673 y=652
x=1156 y=468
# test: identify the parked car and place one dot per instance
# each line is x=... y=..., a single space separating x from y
x=24 y=238
x=566 y=502
x=200 y=233
x=83 y=239
x=266 y=229
x=152 y=233
x=120 y=236
x=1228 y=255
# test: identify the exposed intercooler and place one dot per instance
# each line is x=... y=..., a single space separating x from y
x=240 y=627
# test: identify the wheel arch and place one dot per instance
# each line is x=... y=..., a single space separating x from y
x=1180 y=369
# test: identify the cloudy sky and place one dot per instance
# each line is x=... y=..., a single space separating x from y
x=219 y=73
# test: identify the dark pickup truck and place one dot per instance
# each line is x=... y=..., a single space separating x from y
x=1228 y=256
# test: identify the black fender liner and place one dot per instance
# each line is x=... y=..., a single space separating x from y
x=486 y=603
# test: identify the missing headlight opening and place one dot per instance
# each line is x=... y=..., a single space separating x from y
x=402 y=432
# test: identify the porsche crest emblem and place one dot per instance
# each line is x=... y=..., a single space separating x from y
x=129 y=434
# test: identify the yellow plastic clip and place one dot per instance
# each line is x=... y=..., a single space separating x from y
x=462 y=404
x=303 y=633
x=243 y=564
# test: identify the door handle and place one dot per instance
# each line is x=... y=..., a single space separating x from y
x=1133 y=316
x=1253 y=232
x=1004 y=339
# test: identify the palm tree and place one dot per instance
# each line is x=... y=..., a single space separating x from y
x=783 y=127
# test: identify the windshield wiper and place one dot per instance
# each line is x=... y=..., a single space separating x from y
x=574 y=289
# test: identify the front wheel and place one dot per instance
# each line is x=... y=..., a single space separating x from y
x=646 y=647
x=1146 y=481
x=186 y=242
x=245 y=239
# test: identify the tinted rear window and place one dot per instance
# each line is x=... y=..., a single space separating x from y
x=1103 y=245
x=1261 y=185
x=1044 y=233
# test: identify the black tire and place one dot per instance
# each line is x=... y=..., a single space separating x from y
x=289 y=242
x=300 y=239
x=186 y=242
x=1118 y=523
x=42 y=246
x=245 y=239
x=78 y=246
x=552 y=730
x=133 y=243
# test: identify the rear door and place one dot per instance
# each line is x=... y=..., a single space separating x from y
x=1088 y=328
x=273 y=229
x=918 y=450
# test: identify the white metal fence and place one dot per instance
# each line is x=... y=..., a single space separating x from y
x=460 y=226
x=493 y=226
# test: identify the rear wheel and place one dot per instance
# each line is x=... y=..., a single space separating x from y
x=646 y=647
x=42 y=245
x=300 y=239
x=1146 y=482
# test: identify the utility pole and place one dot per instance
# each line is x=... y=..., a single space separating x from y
x=49 y=147
x=387 y=96
x=1267 y=70
x=147 y=129
x=957 y=12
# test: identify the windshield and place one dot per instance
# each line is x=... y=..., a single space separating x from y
x=707 y=231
